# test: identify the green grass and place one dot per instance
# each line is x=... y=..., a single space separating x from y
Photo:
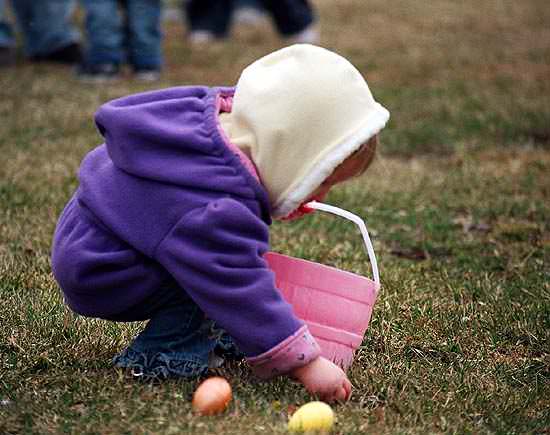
x=457 y=202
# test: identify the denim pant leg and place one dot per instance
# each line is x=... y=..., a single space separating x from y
x=6 y=32
x=176 y=342
x=104 y=31
x=290 y=16
x=46 y=25
x=144 y=34
x=210 y=15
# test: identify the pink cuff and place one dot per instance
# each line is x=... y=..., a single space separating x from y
x=295 y=351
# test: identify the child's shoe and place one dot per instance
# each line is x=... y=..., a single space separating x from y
x=98 y=73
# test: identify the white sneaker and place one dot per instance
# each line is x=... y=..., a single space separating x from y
x=310 y=35
x=201 y=37
x=147 y=75
x=248 y=16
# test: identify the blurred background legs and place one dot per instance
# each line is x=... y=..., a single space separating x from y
x=211 y=19
x=144 y=34
x=105 y=36
x=7 y=41
x=48 y=34
x=293 y=19
x=122 y=31
x=208 y=19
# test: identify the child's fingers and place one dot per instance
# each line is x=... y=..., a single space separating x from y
x=347 y=388
x=340 y=395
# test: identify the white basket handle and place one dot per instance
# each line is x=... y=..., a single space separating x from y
x=360 y=223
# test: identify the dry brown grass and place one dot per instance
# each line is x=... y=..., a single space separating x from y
x=460 y=334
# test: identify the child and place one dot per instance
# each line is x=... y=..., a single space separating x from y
x=170 y=221
x=122 y=31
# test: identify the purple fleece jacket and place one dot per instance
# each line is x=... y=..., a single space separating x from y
x=166 y=196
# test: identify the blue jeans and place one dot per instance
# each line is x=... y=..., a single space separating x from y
x=45 y=25
x=6 y=32
x=124 y=31
x=290 y=16
x=178 y=340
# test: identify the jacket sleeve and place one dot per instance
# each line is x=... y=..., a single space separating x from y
x=216 y=254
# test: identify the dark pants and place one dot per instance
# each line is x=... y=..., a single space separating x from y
x=290 y=16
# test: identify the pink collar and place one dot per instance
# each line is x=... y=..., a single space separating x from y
x=224 y=103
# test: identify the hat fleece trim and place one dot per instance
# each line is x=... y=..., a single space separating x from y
x=321 y=171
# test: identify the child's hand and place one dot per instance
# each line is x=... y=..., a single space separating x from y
x=324 y=379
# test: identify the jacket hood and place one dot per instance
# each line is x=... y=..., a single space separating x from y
x=173 y=136
x=298 y=113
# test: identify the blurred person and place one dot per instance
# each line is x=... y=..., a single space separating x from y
x=211 y=19
x=48 y=34
x=118 y=32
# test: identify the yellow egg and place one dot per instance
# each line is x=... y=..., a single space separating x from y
x=311 y=417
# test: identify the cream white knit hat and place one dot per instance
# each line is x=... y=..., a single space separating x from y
x=298 y=113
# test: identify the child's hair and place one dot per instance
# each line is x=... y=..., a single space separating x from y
x=369 y=148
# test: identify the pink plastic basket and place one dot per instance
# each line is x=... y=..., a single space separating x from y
x=335 y=304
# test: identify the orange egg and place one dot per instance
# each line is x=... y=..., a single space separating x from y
x=212 y=396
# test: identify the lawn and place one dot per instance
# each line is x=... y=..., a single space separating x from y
x=457 y=201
